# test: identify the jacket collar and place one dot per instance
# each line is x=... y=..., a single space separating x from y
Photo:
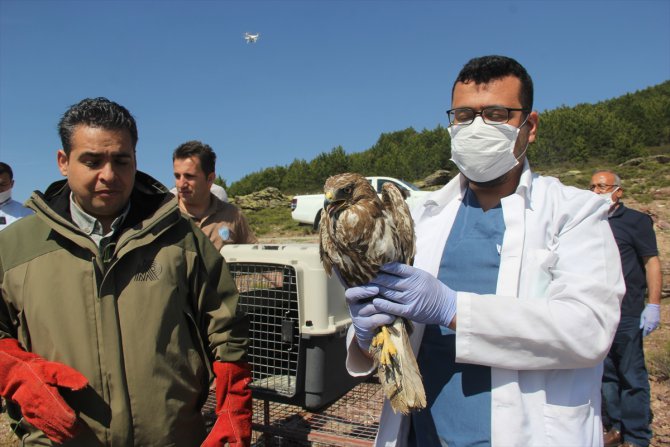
x=147 y=197
x=618 y=211
x=215 y=204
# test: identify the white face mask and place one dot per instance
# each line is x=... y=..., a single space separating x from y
x=484 y=152
x=608 y=197
x=5 y=195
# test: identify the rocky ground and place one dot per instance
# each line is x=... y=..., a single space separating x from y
x=660 y=398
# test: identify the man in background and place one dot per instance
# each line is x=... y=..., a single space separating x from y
x=193 y=163
x=115 y=309
x=625 y=385
x=10 y=210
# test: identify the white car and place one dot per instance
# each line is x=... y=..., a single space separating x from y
x=306 y=209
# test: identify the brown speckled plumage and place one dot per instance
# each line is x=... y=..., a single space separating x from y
x=359 y=232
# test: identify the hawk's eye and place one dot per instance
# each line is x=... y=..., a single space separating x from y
x=347 y=190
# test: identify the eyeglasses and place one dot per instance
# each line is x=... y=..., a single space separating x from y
x=491 y=115
x=601 y=187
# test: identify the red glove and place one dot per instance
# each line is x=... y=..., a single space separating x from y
x=31 y=381
x=233 y=406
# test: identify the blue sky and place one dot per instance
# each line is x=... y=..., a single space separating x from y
x=322 y=74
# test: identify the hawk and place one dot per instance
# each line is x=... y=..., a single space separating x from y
x=359 y=232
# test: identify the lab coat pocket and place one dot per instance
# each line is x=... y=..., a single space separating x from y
x=568 y=426
x=540 y=263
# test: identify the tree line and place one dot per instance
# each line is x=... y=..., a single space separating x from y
x=616 y=130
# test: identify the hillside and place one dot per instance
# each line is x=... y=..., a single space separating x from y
x=614 y=131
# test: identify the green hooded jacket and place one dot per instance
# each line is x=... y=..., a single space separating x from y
x=143 y=322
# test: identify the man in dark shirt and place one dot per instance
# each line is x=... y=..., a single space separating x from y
x=625 y=386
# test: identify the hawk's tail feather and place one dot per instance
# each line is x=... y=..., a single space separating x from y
x=397 y=368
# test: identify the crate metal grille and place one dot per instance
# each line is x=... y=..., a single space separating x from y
x=351 y=421
x=269 y=296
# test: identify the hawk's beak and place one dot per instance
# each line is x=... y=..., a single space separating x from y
x=328 y=198
x=331 y=203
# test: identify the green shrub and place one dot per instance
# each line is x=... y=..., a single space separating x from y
x=275 y=222
x=658 y=362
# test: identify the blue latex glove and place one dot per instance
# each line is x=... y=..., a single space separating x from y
x=365 y=318
x=414 y=294
x=650 y=318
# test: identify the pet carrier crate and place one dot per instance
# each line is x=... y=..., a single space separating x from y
x=298 y=323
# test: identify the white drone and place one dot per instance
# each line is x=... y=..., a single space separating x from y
x=251 y=38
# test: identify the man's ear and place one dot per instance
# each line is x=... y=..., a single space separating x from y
x=618 y=193
x=62 y=162
x=533 y=122
x=210 y=179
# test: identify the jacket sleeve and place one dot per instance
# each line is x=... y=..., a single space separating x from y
x=4 y=311
x=224 y=327
x=570 y=289
x=7 y=328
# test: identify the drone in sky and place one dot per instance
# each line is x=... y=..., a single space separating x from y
x=251 y=38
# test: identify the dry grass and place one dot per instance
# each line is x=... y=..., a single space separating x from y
x=7 y=438
x=657 y=352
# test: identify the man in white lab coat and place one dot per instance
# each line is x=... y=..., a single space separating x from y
x=10 y=209
x=514 y=292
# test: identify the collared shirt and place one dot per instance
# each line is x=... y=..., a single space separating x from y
x=92 y=226
x=11 y=211
x=636 y=239
x=224 y=223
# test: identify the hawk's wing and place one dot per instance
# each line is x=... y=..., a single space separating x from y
x=351 y=241
x=395 y=205
x=358 y=233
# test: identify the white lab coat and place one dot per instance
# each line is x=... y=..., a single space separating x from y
x=549 y=326
x=11 y=211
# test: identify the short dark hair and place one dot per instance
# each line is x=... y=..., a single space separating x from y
x=198 y=149
x=95 y=112
x=5 y=168
x=483 y=70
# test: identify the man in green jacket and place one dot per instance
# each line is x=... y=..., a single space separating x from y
x=115 y=310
